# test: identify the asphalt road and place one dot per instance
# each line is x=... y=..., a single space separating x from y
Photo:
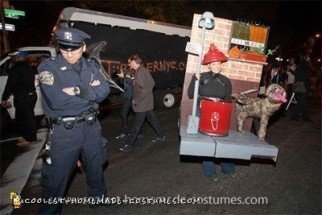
x=291 y=186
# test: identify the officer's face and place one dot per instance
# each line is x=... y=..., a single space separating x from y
x=73 y=57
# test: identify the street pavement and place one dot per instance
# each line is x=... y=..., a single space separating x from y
x=292 y=185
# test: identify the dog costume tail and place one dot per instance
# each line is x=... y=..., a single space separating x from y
x=249 y=91
x=242 y=98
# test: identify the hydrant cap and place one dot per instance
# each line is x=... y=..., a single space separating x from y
x=214 y=55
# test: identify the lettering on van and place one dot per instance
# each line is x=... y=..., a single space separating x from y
x=154 y=66
x=165 y=66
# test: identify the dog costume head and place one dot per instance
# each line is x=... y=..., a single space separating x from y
x=276 y=94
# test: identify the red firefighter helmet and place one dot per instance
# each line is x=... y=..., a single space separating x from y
x=214 y=55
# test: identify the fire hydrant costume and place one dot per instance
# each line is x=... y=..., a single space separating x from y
x=215 y=85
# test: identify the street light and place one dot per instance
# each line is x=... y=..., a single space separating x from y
x=206 y=22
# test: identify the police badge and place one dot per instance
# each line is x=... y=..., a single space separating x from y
x=68 y=35
x=46 y=77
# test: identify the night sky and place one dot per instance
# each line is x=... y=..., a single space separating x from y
x=291 y=22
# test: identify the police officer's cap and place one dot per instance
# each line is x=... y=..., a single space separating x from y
x=70 y=38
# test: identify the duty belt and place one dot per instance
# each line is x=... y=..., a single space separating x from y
x=60 y=120
x=69 y=121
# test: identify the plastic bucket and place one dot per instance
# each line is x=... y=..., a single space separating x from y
x=214 y=117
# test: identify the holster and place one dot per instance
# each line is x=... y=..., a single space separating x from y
x=90 y=119
x=45 y=156
x=68 y=124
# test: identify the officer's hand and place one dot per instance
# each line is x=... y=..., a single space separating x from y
x=6 y=104
x=69 y=91
x=95 y=83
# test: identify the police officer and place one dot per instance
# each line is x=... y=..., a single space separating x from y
x=21 y=84
x=72 y=87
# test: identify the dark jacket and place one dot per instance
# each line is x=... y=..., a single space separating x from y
x=143 y=90
x=21 y=80
x=211 y=85
x=279 y=78
x=303 y=73
x=128 y=85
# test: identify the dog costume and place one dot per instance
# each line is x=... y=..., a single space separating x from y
x=261 y=108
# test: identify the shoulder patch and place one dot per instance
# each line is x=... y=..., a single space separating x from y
x=46 y=77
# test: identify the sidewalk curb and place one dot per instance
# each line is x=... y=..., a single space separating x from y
x=17 y=174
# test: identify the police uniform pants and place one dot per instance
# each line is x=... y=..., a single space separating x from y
x=66 y=146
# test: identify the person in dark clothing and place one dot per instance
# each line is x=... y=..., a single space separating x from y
x=21 y=84
x=215 y=85
x=142 y=104
x=278 y=76
x=128 y=79
x=291 y=66
x=127 y=106
x=72 y=87
x=302 y=73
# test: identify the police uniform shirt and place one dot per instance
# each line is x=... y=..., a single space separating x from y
x=56 y=74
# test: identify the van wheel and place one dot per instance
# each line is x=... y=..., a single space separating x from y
x=165 y=99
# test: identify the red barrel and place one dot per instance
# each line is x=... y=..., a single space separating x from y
x=214 y=117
